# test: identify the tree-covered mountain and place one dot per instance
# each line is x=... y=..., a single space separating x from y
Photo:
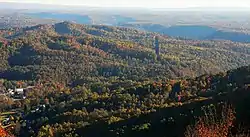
x=69 y=53
x=162 y=108
x=79 y=79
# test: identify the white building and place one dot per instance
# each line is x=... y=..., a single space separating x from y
x=19 y=90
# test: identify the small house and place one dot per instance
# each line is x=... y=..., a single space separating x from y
x=19 y=91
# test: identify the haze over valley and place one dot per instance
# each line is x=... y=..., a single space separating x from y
x=192 y=23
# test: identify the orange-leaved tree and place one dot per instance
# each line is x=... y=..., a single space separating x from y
x=213 y=124
x=3 y=133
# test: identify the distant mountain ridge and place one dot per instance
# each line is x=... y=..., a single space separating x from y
x=34 y=5
x=199 y=23
x=198 y=32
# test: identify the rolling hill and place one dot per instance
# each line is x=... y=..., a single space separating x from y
x=88 y=78
x=107 y=52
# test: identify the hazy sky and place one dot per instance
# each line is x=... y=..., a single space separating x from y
x=144 y=3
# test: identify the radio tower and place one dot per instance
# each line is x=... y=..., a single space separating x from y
x=157 y=46
x=200 y=67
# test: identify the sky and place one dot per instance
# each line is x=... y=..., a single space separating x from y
x=143 y=3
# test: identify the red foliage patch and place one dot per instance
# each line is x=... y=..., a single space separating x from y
x=213 y=126
x=3 y=133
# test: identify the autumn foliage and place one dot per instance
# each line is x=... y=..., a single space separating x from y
x=213 y=124
x=3 y=133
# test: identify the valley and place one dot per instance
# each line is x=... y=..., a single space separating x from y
x=73 y=72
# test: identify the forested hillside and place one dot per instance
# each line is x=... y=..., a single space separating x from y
x=73 y=80
x=71 y=53
x=162 y=108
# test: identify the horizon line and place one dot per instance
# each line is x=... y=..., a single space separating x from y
x=91 y=6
